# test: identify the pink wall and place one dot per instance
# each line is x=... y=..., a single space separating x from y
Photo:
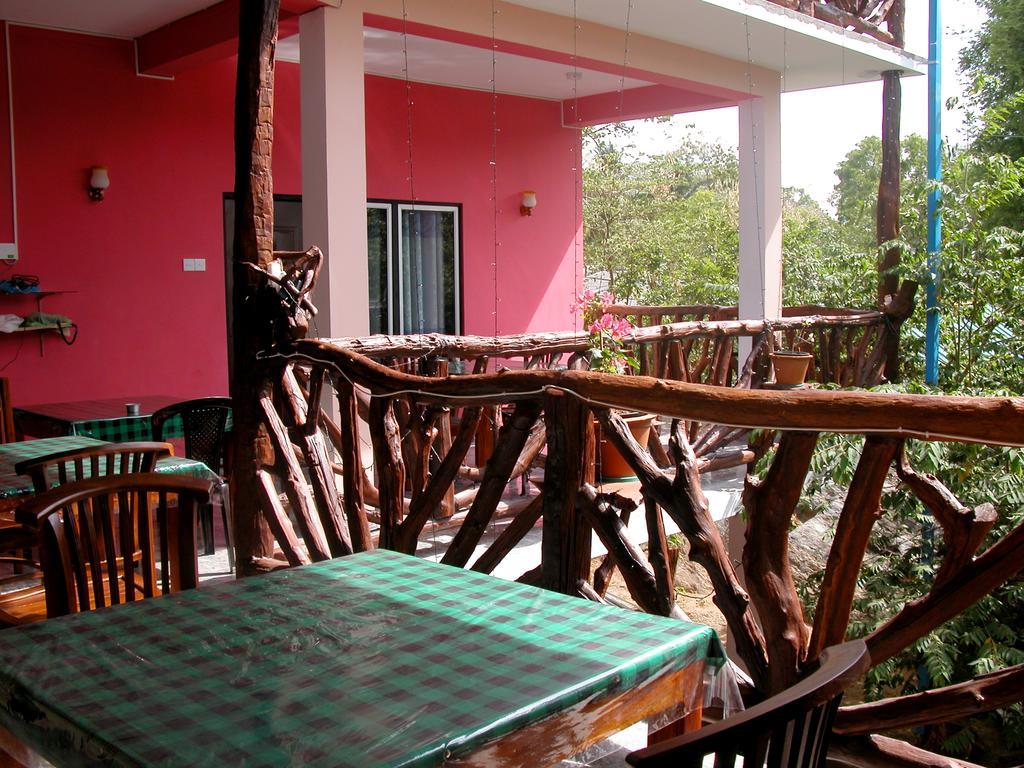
x=147 y=327
x=451 y=159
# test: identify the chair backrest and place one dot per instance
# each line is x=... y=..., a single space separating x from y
x=96 y=461
x=788 y=730
x=117 y=539
x=6 y=413
x=203 y=425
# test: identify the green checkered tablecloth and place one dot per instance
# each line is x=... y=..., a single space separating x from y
x=376 y=659
x=12 y=484
x=101 y=419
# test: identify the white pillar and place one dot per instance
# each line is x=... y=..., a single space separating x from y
x=334 y=164
x=760 y=267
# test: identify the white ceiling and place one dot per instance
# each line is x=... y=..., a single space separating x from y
x=466 y=66
x=810 y=53
x=121 y=18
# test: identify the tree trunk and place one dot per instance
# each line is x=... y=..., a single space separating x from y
x=888 y=212
x=253 y=244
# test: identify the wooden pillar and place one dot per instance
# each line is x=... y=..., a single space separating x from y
x=887 y=219
x=565 y=547
x=254 y=244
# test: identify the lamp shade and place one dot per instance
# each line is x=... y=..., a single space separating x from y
x=99 y=178
x=529 y=199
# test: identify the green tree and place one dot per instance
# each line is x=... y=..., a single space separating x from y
x=994 y=67
x=855 y=196
x=819 y=265
x=661 y=229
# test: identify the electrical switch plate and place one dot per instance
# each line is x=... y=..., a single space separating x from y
x=199 y=265
x=188 y=265
x=9 y=253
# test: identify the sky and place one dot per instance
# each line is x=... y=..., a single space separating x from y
x=820 y=126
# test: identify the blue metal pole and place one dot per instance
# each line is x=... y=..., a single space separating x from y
x=931 y=350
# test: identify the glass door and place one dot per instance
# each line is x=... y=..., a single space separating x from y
x=428 y=274
x=379 y=238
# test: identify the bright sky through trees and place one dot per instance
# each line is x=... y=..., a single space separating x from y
x=819 y=127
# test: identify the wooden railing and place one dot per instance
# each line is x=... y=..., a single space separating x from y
x=848 y=345
x=421 y=428
x=880 y=19
x=698 y=345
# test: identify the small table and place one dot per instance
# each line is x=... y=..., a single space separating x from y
x=14 y=487
x=101 y=419
x=375 y=659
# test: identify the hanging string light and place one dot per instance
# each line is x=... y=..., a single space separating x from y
x=415 y=269
x=575 y=163
x=625 y=59
x=494 y=162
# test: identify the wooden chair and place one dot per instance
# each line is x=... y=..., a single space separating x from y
x=788 y=730
x=204 y=427
x=110 y=540
x=96 y=461
x=7 y=433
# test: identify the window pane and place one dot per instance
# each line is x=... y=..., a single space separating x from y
x=429 y=302
x=378 y=247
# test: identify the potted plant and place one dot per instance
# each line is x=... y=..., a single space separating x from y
x=608 y=333
x=608 y=354
x=791 y=365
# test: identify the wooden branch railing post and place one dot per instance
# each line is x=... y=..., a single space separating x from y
x=769 y=577
x=887 y=222
x=565 y=547
x=253 y=245
x=860 y=511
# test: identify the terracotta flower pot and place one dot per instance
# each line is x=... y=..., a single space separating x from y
x=612 y=465
x=791 y=367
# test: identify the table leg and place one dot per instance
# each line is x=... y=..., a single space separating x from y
x=15 y=754
x=688 y=724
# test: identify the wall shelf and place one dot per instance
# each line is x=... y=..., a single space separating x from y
x=38 y=297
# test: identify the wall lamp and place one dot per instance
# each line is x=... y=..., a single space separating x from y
x=528 y=203
x=99 y=180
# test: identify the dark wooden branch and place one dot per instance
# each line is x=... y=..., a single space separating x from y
x=294 y=485
x=506 y=541
x=606 y=570
x=883 y=752
x=770 y=505
x=569 y=341
x=682 y=498
x=602 y=510
x=387 y=455
x=507 y=450
x=963 y=529
x=352 y=461
x=657 y=554
x=860 y=511
x=277 y=519
x=318 y=465
x=253 y=245
x=427 y=503
x=999 y=563
x=565 y=547
x=941 y=705
x=987 y=420
x=887 y=218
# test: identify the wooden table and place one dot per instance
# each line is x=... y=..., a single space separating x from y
x=375 y=659
x=101 y=419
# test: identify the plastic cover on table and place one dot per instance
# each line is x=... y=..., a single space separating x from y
x=721 y=693
x=373 y=659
